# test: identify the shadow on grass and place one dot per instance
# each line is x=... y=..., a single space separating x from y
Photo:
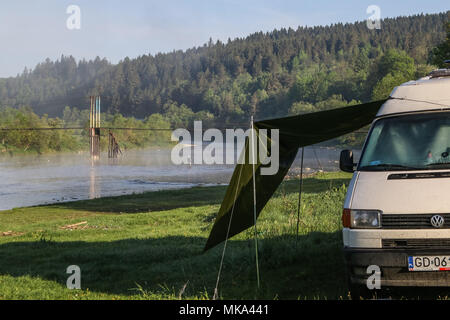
x=197 y=196
x=311 y=267
x=151 y=201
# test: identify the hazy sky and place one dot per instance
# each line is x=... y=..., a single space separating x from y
x=31 y=31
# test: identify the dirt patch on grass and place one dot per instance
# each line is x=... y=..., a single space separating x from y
x=79 y=225
x=11 y=234
x=85 y=226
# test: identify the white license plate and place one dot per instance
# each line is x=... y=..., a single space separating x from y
x=429 y=263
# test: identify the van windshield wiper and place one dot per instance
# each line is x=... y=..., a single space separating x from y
x=388 y=166
x=438 y=164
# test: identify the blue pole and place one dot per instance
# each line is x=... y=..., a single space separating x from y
x=99 y=103
x=96 y=110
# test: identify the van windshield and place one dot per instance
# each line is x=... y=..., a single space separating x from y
x=408 y=142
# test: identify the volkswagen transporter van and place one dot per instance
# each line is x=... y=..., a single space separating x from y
x=397 y=211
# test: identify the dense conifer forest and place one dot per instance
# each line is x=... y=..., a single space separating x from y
x=273 y=74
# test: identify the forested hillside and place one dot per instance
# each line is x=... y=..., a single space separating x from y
x=272 y=74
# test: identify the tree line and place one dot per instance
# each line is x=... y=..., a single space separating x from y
x=72 y=138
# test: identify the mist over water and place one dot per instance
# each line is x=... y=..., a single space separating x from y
x=33 y=180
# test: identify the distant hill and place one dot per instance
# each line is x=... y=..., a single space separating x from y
x=266 y=74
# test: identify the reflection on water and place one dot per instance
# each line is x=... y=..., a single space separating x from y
x=32 y=180
x=94 y=190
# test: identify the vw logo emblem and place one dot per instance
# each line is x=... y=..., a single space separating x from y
x=437 y=221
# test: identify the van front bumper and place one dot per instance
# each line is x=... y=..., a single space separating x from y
x=393 y=264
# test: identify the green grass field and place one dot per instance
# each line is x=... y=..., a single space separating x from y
x=150 y=246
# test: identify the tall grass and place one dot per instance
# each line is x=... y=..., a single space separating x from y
x=150 y=246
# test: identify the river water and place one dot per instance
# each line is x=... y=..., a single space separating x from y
x=33 y=180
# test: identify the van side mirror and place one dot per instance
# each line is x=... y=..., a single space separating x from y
x=346 y=161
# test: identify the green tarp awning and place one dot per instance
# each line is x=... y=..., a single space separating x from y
x=294 y=132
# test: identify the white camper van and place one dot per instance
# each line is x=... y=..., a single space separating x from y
x=397 y=211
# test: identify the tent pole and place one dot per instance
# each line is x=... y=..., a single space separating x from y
x=216 y=289
x=317 y=158
x=300 y=191
x=253 y=145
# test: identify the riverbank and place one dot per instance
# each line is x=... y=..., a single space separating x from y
x=149 y=246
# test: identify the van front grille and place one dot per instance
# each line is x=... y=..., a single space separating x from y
x=412 y=221
x=415 y=243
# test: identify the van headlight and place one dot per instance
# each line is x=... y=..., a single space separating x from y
x=365 y=219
